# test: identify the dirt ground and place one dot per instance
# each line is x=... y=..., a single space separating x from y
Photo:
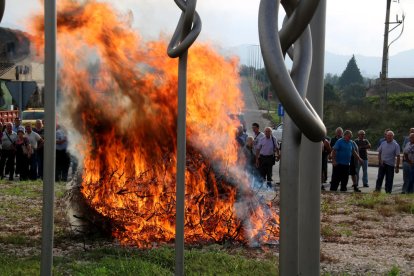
x=361 y=234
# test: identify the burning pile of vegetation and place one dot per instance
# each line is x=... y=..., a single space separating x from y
x=125 y=115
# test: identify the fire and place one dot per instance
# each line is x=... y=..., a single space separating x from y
x=125 y=112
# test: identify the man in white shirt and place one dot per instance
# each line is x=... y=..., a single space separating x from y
x=387 y=152
x=267 y=153
x=34 y=139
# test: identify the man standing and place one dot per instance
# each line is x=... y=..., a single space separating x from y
x=409 y=157
x=8 y=152
x=338 y=135
x=62 y=156
x=387 y=151
x=406 y=165
x=267 y=153
x=257 y=135
x=341 y=158
x=363 y=146
x=17 y=125
x=34 y=139
x=41 y=131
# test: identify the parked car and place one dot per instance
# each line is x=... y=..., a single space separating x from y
x=278 y=132
x=31 y=115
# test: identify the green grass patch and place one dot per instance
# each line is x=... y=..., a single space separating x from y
x=405 y=204
x=328 y=206
x=22 y=189
x=369 y=201
x=395 y=271
x=127 y=261
x=18 y=239
x=328 y=231
x=12 y=265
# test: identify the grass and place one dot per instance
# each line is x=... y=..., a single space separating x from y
x=385 y=205
x=20 y=244
x=127 y=261
x=20 y=231
x=395 y=271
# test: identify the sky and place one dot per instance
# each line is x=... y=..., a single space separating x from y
x=352 y=26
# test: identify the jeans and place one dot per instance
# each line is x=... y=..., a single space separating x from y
x=406 y=176
x=388 y=172
x=364 y=172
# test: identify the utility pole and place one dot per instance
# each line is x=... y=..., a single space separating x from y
x=384 y=69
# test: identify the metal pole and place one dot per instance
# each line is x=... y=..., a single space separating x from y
x=50 y=138
x=384 y=72
x=20 y=99
x=181 y=154
x=309 y=197
x=189 y=27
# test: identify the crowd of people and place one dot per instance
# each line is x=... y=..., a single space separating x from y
x=22 y=151
x=349 y=156
x=260 y=153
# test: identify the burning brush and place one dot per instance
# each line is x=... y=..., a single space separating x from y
x=124 y=114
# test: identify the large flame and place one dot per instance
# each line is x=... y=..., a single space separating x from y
x=125 y=110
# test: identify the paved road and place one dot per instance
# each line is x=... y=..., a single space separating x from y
x=251 y=111
x=253 y=114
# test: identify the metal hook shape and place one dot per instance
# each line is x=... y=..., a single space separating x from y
x=300 y=110
x=188 y=28
x=2 y=7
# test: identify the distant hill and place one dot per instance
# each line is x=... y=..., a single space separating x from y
x=400 y=65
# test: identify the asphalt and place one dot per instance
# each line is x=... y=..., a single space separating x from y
x=253 y=114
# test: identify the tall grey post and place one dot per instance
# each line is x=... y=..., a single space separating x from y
x=297 y=177
x=188 y=29
x=50 y=138
x=309 y=211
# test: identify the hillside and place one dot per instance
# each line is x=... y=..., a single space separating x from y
x=400 y=65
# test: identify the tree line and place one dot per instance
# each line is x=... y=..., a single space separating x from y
x=346 y=103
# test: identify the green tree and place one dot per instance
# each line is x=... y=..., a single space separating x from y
x=330 y=93
x=353 y=94
x=351 y=75
x=331 y=79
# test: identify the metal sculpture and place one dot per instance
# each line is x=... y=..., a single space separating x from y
x=297 y=160
x=50 y=137
x=187 y=31
x=2 y=7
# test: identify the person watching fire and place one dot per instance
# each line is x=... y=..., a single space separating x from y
x=267 y=154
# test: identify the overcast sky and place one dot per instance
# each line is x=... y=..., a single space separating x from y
x=353 y=26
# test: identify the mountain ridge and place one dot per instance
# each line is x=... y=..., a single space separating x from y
x=400 y=65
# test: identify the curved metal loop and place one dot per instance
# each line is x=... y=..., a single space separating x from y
x=2 y=7
x=300 y=110
x=188 y=29
x=298 y=18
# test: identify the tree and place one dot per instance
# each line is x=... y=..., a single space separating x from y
x=351 y=74
x=330 y=93
x=353 y=94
